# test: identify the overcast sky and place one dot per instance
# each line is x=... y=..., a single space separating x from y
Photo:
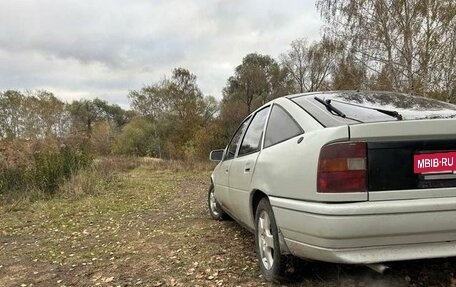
x=105 y=48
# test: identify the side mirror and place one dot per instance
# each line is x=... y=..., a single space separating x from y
x=216 y=155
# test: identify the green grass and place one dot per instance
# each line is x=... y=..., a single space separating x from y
x=146 y=220
x=149 y=226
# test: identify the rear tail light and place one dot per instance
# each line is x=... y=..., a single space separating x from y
x=342 y=168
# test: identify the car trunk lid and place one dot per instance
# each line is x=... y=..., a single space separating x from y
x=394 y=150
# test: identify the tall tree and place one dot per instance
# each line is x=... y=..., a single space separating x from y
x=183 y=94
x=402 y=40
x=177 y=109
x=112 y=113
x=151 y=101
x=311 y=65
x=321 y=58
x=295 y=61
x=349 y=74
x=11 y=114
x=258 y=79
x=48 y=114
x=446 y=79
x=35 y=114
x=179 y=95
x=84 y=114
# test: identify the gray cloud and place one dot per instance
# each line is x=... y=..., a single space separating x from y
x=104 y=48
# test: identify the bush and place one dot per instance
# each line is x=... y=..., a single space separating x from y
x=13 y=178
x=52 y=168
x=137 y=139
x=45 y=170
x=102 y=137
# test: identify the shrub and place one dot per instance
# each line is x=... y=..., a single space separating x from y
x=14 y=178
x=136 y=139
x=45 y=170
x=102 y=137
x=52 y=168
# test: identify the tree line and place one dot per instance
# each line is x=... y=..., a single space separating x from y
x=407 y=46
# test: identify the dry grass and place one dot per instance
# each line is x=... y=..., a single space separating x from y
x=89 y=181
x=128 y=163
x=150 y=227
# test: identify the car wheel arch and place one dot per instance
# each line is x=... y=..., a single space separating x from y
x=255 y=198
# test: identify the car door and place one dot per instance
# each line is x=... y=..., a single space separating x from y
x=221 y=173
x=243 y=166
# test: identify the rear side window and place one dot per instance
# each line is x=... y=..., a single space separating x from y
x=281 y=127
x=236 y=140
x=254 y=134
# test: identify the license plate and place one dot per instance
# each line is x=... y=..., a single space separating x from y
x=434 y=162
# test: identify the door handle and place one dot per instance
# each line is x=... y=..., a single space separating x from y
x=247 y=166
x=226 y=170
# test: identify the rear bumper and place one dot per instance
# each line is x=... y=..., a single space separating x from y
x=366 y=255
x=368 y=232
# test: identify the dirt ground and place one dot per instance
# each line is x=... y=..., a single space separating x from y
x=152 y=228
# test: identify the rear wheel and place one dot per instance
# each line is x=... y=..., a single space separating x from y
x=214 y=208
x=273 y=264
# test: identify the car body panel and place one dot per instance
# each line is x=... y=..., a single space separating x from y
x=368 y=255
x=242 y=170
x=421 y=223
x=220 y=178
x=365 y=226
x=292 y=153
x=349 y=227
x=404 y=130
x=425 y=131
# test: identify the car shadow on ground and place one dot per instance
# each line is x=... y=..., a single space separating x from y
x=431 y=272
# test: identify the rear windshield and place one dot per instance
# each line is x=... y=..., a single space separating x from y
x=361 y=106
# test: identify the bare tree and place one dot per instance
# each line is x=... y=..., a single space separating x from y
x=401 y=41
x=295 y=61
x=11 y=114
x=311 y=65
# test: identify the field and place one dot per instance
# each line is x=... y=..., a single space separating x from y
x=150 y=227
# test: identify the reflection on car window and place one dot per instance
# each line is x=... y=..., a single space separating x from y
x=281 y=127
x=252 y=138
x=236 y=140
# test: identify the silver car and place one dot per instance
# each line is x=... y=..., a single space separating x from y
x=344 y=177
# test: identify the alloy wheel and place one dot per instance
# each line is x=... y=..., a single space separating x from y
x=213 y=203
x=265 y=240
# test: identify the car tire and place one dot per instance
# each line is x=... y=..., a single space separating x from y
x=274 y=265
x=215 y=210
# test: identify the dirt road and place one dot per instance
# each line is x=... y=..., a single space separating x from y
x=151 y=228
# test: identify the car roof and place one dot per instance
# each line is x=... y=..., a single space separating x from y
x=331 y=92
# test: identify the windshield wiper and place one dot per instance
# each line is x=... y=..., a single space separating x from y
x=393 y=114
x=331 y=108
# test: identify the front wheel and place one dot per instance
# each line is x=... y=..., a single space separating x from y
x=214 y=208
x=273 y=264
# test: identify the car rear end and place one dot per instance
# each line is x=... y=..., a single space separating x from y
x=403 y=173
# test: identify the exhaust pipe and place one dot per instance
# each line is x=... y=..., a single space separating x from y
x=378 y=267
